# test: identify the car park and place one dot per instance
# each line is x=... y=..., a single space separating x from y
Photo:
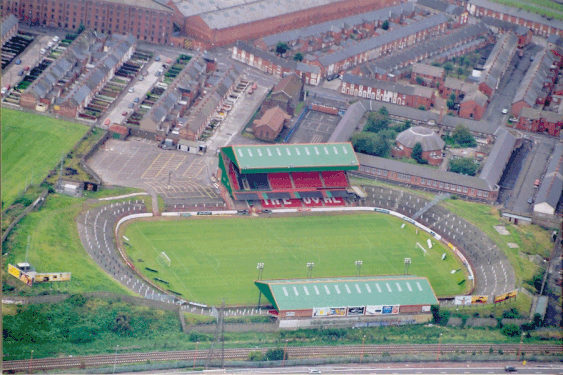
x=18 y=62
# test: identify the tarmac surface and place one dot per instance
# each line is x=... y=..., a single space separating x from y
x=316 y=127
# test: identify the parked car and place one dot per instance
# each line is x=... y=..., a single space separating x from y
x=56 y=39
x=136 y=100
x=4 y=90
x=157 y=58
x=504 y=111
x=530 y=200
x=42 y=51
x=510 y=369
x=131 y=105
x=168 y=61
x=158 y=74
x=50 y=45
x=124 y=113
x=131 y=89
x=20 y=73
x=141 y=78
x=26 y=68
x=537 y=183
x=107 y=121
x=266 y=211
x=145 y=73
x=18 y=61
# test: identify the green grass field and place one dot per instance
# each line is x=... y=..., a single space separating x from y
x=542 y=7
x=31 y=146
x=216 y=258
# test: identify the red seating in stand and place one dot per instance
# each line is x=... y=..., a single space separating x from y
x=334 y=201
x=307 y=179
x=289 y=203
x=335 y=179
x=280 y=180
x=233 y=176
x=271 y=203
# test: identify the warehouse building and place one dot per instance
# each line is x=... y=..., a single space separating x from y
x=345 y=297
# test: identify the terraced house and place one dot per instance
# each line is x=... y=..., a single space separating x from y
x=60 y=74
x=497 y=63
x=115 y=52
x=9 y=28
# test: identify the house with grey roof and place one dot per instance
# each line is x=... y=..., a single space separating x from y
x=537 y=83
x=549 y=192
x=120 y=48
x=431 y=143
x=498 y=157
x=497 y=63
x=61 y=73
x=539 y=24
x=457 y=14
x=9 y=27
x=540 y=121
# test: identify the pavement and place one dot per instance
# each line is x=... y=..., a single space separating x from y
x=29 y=57
x=140 y=89
x=177 y=176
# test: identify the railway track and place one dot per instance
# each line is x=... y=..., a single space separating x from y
x=43 y=364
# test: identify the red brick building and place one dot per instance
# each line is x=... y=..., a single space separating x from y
x=497 y=63
x=432 y=144
x=286 y=95
x=146 y=19
x=396 y=93
x=540 y=121
x=9 y=27
x=431 y=76
x=473 y=105
x=269 y=127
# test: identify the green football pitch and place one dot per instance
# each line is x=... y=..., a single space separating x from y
x=32 y=145
x=214 y=258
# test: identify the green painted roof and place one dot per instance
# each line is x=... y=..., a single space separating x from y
x=297 y=294
x=294 y=157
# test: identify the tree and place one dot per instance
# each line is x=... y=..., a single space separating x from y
x=275 y=354
x=422 y=108
x=463 y=166
x=463 y=137
x=452 y=97
x=370 y=143
x=450 y=103
x=255 y=356
x=448 y=67
x=377 y=121
x=511 y=330
x=419 y=81
x=298 y=56
x=383 y=111
x=81 y=28
x=385 y=25
x=282 y=48
x=417 y=154
x=459 y=71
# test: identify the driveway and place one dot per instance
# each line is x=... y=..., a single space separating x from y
x=177 y=176
x=140 y=89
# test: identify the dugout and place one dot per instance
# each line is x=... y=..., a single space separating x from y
x=359 y=297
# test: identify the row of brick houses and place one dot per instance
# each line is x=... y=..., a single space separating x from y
x=396 y=93
x=61 y=73
x=386 y=44
x=540 y=121
x=538 y=82
x=497 y=63
x=458 y=15
x=538 y=24
x=9 y=28
x=484 y=187
x=146 y=19
x=458 y=42
x=428 y=75
x=272 y=64
x=117 y=50
x=326 y=34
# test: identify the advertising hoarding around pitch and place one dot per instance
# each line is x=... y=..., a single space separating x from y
x=20 y=275
x=52 y=276
x=505 y=296
x=462 y=300
x=357 y=310
x=382 y=310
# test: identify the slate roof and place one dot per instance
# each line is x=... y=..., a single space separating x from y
x=550 y=189
x=336 y=25
x=267 y=56
x=425 y=92
x=290 y=85
x=378 y=41
x=7 y=24
x=428 y=47
x=348 y=123
x=532 y=84
x=476 y=96
x=201 y=112
x=428 y=139
x=499 y=59
x=423 y=172
x=453 y=83
x=442 y=6
x=529 y=16
x=164 y=106
x=498 y=157
x=304 y=294
x=430 y=70
x=555 y=39
x=273 y=118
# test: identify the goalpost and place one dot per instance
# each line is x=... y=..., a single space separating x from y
x=164 y=258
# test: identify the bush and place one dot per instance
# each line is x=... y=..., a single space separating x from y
x=511 y=330
x=275 y=354
x=417 y=154
x=463 y=137
x=439 y=317
x=511 y=314
x=463 y=166
x=369 y=143
x=255 y=356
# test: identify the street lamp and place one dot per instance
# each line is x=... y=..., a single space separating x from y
x=407 y=263
x=359 y=266
x=310 y=267
x=115 y=358
x=284 y=353
x=260 y=268
x=362 y=353
x=31 y=362
x=520 y=347
x=195 y=353
x=439 y=347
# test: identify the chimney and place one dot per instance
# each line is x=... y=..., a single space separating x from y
x=441 y=114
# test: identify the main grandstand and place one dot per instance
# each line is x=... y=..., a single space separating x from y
x=289 y=175
x=348 y=296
